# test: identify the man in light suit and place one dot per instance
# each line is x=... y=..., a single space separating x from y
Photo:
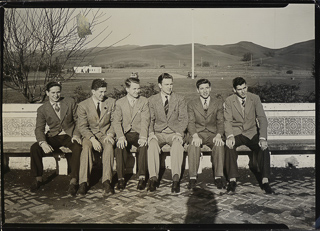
x=59 y=114
x=131 y=123
x=246 y=124
x=205 y=128
x=169 y=120
x=94 y=121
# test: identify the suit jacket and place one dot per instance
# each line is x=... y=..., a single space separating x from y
x=47 y=115
x=199 y=120
x=236 y=123
x=88 y=121
x=176 y=119
x=139 y=121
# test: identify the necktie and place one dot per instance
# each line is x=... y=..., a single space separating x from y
x=98 y=109
x=243 y=102
x=56 y=107
x=205 y=106
x=133 y=102
x=166 y=105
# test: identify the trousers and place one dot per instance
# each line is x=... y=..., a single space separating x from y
x=36 y=154
x=122 y=154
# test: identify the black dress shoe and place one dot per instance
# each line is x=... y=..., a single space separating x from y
x=175 y=187
x=141 y=184
x=72 y=190
x=107 y=188
x=152 y=185
x=36 y=186
x=192 y=184
x=82 y=189
x=218 y=182
x=232 y=186
x=121 y=185
x=266 y=187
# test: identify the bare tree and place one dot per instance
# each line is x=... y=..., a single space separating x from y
x=40 y=43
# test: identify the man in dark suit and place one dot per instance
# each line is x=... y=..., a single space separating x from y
x=169 y=120
x=246 y=124
x=60 y=115
x=131 y=121
x=205 y=128
x=94 y=121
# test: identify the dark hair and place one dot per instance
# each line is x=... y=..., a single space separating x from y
x=53 y=84
x=238 y=81
x=97 y=83
x=131 y=80
x=164 y=76
x=202 y=81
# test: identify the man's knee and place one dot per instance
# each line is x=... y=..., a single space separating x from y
x=153 y=144
x=35 y=148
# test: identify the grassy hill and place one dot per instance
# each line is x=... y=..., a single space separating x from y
x=296 y=56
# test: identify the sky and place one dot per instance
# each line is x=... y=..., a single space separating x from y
x=268 y=27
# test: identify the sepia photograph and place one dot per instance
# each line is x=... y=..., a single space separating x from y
x=159 y=117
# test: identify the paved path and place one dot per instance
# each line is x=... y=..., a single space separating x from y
x=292 y=205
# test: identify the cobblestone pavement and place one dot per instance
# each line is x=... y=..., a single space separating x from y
x=292 y=205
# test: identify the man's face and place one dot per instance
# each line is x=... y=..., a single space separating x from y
x=166 y=86
x=241 y=90
x=100 y=93
x=54 y=93
x=134 y=90
x=204 y=90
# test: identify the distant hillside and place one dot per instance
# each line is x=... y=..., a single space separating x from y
x=299 y=55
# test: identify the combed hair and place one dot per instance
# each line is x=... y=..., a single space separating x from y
x=164 y=76
x=97 y=83
x=238 y=81
x=203 y=81
x=131 y=80
x=53 y=84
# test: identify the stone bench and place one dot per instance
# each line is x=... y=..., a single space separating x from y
x=291 y=131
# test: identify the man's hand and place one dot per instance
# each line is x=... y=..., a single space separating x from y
x=196 y=141
x=230 y=142
x=142 y=142
x=177 y=137
x=76 y=138
x=109 y=139
x=96 y=144
x=217 y=140
x=122 y=142
x=263 y=144
x=152 y=136
x=46 y=148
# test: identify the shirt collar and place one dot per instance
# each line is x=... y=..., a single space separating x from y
x=53 y=103
x=95 y=101
x=130 y=98
x=240 y=99
x=163 y=96
x=202 y=100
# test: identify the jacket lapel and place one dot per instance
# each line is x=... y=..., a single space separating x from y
x=136 y=108
x=172 y=105
x=49 y=108
x=248 y=105
x=237 y=105
x=93 y=109
x=161 y=107
x=63 y=111
x=104 y=108
x=211 y=107
x=199 y=107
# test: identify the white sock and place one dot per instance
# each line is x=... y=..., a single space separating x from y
x=233 y=179
x=265 y=180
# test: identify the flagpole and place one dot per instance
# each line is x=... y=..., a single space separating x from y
x=192 y=64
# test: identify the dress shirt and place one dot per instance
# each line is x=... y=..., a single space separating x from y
x=58 y=114
x=203 y=99
x=163 y=97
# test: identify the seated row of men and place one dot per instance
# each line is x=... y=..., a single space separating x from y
x=111 y=127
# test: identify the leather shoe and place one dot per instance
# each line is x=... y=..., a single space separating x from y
x=141 y=184
x=82 y=189
x=232 y=186
x=152 y=185
x=72 y=190
x=175 y=187
x=266 y=187
x=107 y=188
x=192 y=184
x=35 y=186
x=121 y=185
x=218 y=182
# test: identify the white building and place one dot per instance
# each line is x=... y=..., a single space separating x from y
x=87 y=69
